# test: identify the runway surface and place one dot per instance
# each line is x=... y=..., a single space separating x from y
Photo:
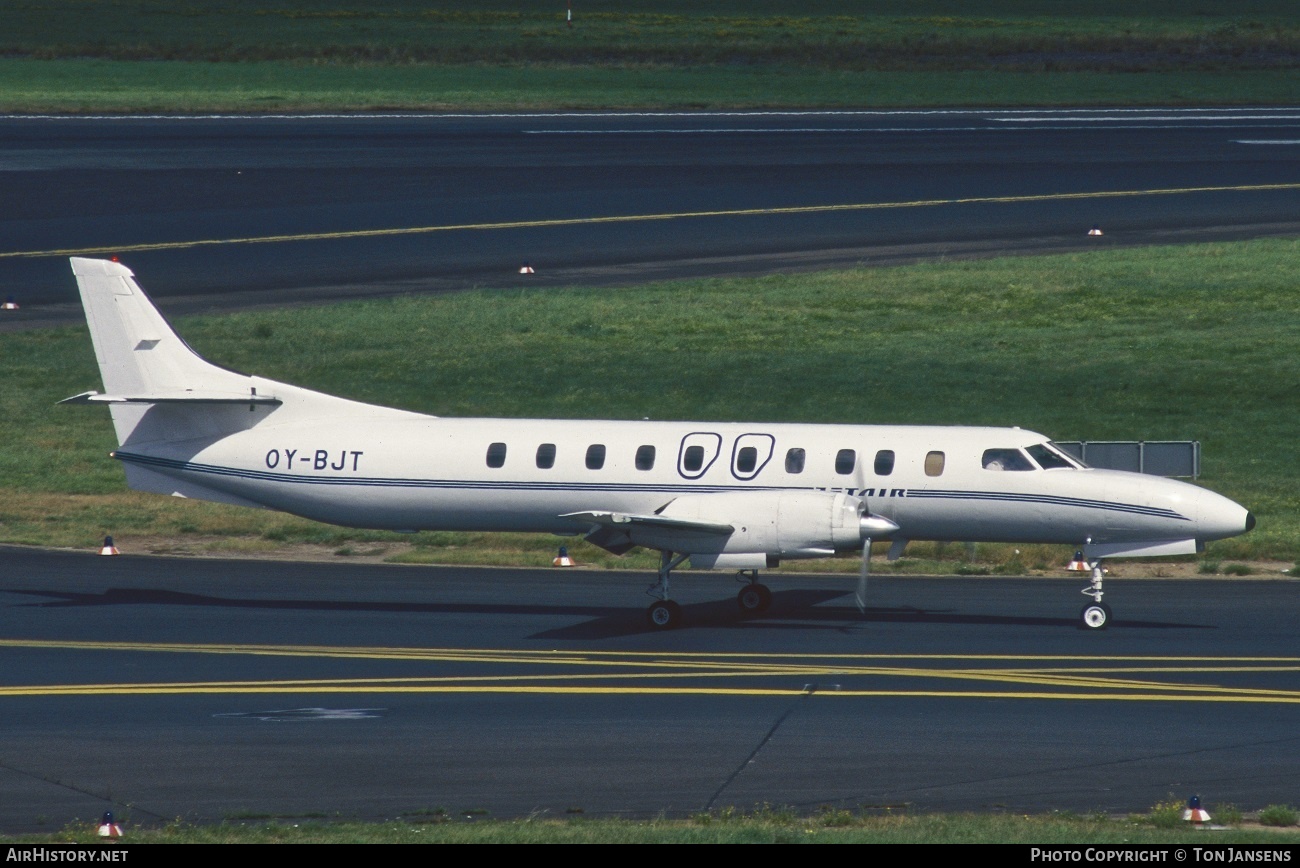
x=161 y=688
x=218 y=211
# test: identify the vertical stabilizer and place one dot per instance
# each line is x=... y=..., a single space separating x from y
x=161 y=391
x=157 y=388
x=138 y=352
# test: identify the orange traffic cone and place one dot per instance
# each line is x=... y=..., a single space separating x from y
x=109 y=548
x=108 y=827
x=1195 y=813
x=563 y=559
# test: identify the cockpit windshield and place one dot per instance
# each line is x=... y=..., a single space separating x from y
x=1006 y=459
x=1050 y=456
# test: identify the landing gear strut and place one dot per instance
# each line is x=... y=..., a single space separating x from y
x=753 y=597
x=665 y=614
x=1095 y=615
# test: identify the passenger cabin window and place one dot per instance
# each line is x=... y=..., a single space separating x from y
x=845 y=460
x=645 y=457
x=693 y=458
x=934 y=464
x=1048 y=458
x=1006 y=459
x=546 y=456
x=496 y=454
x=595 y=456
x=794 y=460
x=746 y=459
x=884 y=462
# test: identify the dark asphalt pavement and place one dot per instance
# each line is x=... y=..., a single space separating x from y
x=208 y=690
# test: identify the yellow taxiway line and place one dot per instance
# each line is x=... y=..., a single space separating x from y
x=640 y=218
x=629 y=673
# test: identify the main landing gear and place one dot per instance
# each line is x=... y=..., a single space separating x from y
x=664 y=614
x=753 y=597
x=1095 y=615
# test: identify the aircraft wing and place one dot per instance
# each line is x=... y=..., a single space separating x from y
x=628 y=522
x=619 y=532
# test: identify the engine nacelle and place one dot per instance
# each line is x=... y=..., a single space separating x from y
x=783 y=524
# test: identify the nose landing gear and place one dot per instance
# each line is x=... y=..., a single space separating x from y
x=1096 y=615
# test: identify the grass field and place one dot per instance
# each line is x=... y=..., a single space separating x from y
x=1162 y=825
x=1187 y=343
x=94 y=86
x=1034 y=35
x=151 y=55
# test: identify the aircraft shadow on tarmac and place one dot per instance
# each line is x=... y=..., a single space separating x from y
x=790 y=610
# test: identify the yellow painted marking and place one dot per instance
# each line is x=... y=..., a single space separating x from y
x=276 y=688
x=520 y=655
x=643 y=218
x=618 y=673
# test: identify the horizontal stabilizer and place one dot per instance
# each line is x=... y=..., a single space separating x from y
x=188 y=396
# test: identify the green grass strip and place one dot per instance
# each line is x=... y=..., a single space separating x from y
x=113 y=86
x=1182 y=343
x=1162 y=825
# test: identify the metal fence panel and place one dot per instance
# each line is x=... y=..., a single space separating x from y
x=1157 y=457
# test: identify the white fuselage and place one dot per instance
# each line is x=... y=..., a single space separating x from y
x=414 y=472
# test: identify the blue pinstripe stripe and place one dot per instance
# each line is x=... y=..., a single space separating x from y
x=485 y=485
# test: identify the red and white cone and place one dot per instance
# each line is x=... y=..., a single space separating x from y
x=1194 y=812
x=563 y=559
x=1078 y=564
x=1095 y=230
x=527 y=269
x=109 y=548
x=108 y=827
x=9 y=304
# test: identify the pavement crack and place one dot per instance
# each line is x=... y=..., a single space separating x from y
x=809 y=690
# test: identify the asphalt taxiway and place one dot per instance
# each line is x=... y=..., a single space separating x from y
x=207 y=690
x=215 y=212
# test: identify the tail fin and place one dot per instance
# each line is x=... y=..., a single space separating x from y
x=160 y=390
x=140 y=357
x=148 y=370
x=169 y=403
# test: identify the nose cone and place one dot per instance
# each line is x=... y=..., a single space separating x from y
x=875 y=527
x=1219 y=518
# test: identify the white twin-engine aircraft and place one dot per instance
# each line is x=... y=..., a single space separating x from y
x=723 y=495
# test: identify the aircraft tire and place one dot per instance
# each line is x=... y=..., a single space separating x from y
x=754 y=598
x=1095 y=616
x=664 y=615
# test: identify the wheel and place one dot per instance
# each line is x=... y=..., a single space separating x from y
x=1095 y=616
x=664 y=615
x=754 y=598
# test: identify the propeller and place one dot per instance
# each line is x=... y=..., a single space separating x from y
x=868 y=525
x=861 y=595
